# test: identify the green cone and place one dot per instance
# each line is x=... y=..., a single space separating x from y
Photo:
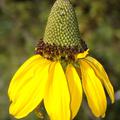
x=62 y=26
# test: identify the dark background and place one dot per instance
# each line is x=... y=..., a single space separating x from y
x=22 y=24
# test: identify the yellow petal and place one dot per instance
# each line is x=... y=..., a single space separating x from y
x=29 y=96
x=82 y=55
x=75 y=88
x=57 y=97
x=93 y=89
x=100 y=72
x=20 y=76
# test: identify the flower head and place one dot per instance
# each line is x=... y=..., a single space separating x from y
x=59 y=72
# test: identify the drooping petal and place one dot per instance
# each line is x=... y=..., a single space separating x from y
x=75 y=88
x=100 y=72
x=57 y=97
x=22 y=74
x=31 y=93
x=93 y=89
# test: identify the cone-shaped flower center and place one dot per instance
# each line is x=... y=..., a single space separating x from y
x=62 y=36
x=62 y=26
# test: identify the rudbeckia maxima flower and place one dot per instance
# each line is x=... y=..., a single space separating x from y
x=59 y=72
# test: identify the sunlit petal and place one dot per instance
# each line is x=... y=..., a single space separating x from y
x=57 y=97
x=75 y=88
x=31 y=93
x=24 y=73
x=82 y=55
x=93 y=89
x=100 y=72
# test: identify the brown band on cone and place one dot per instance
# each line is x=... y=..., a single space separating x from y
x=54 y=52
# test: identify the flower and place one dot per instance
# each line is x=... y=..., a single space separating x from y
x=59 y=72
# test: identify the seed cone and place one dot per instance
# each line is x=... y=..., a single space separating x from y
x=62 y=26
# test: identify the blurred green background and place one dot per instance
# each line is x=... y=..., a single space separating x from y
x=22 y=24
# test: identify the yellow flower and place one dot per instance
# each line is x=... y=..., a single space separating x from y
x=41 y=79
x=59 y=72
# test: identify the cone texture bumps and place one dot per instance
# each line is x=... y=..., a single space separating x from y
x=62 y=26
